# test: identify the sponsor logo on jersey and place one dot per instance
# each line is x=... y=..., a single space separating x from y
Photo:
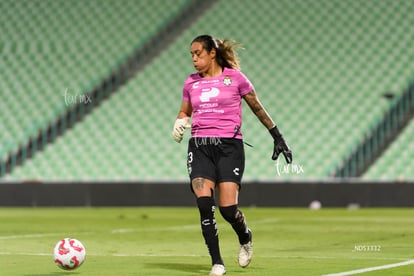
x=208 y=93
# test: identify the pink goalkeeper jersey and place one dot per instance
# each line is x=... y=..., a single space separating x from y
x=216 y=103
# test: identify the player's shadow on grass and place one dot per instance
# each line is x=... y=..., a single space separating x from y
x=183 y=267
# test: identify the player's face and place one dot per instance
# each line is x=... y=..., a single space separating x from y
x=201 y=58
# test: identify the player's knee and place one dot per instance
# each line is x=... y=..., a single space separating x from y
x=230 y=213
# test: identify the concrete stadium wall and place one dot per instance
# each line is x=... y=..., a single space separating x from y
x=289 y=194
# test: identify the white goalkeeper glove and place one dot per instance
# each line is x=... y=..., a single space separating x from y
x=179 y=128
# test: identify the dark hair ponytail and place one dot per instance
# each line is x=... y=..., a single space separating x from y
x=226 y=55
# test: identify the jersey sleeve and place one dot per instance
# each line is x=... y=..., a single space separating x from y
x=186 y=91
x=186 y=95
x=245 y=86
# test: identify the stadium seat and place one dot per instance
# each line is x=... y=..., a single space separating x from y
x=396 y=163
x=52 y=46
x=319 y=67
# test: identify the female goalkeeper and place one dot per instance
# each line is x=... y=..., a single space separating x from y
x=212 y=96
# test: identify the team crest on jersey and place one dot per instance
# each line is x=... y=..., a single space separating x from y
x=227 y=80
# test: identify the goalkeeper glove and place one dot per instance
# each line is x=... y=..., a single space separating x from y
x=179 y=128
x=280 y=145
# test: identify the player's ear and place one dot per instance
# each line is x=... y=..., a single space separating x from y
x=213 y=53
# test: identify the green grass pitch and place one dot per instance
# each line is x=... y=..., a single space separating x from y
x=168 y=241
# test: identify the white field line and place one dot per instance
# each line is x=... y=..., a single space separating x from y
x=25 y=254
x=178 y=228
x=369 y=269
x=200 y=255
x=165 y=229
x=29 y=236
x=122 y=231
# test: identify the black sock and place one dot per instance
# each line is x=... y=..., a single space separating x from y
x=237 y=220
x=206 y=206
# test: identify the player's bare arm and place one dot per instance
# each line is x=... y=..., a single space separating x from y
x=280 y=145
x=258 y=109
x=185 y=110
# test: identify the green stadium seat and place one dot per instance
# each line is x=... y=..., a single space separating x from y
x=319 y=67
x=52 y=43
x=396 y=163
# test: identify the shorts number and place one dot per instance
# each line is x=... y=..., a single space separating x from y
x=190 y=157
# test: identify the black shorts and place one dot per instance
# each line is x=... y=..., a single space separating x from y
x=216 y=159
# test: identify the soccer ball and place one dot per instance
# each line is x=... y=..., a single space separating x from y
x=69 y=254
x=315 y=205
